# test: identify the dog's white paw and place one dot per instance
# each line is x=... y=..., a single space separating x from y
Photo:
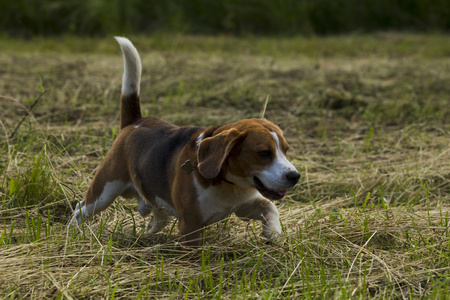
x=77 y=217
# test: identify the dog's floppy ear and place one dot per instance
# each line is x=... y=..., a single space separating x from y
x=213 y=151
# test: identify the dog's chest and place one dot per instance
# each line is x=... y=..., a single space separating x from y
x=218 y=202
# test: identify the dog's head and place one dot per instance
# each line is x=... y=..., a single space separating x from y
x=249 y=153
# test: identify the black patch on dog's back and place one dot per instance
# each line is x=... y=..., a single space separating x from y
x=156 y=146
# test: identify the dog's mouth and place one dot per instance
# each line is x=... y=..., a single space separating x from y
x=269 y=194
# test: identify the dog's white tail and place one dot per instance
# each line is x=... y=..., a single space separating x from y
x=130 y=108
x=131 y=79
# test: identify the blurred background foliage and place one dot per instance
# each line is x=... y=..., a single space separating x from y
x=26 y=18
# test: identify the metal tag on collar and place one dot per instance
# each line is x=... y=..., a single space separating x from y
x=189 y=167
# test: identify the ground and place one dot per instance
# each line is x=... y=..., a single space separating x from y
x=368 y=122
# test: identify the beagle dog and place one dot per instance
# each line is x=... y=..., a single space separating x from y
x=198 y=175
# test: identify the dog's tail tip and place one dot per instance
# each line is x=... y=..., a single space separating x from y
x=123 y=41
x=121 y=38
x=132 y=67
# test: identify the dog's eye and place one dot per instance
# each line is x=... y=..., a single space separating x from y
x=265 y=154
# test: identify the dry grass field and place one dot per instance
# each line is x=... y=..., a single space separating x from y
x=368 y=121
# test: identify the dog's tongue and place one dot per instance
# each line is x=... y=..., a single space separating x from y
x=281 y=193
x=273 y=195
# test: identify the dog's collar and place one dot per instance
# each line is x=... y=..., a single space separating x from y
x=190 y=167
x=219 y=179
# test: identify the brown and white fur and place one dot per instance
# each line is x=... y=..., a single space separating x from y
x=199 y=175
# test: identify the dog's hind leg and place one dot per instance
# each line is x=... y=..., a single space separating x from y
x=109 y=182
x=104 y=189
x=144 y=207
x=159 y=219
x=94 y=204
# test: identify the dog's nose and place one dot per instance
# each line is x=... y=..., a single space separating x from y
x=293 y=177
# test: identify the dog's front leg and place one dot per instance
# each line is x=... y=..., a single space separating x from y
x=190 y=220
x=264 y=210
x=191 y=230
